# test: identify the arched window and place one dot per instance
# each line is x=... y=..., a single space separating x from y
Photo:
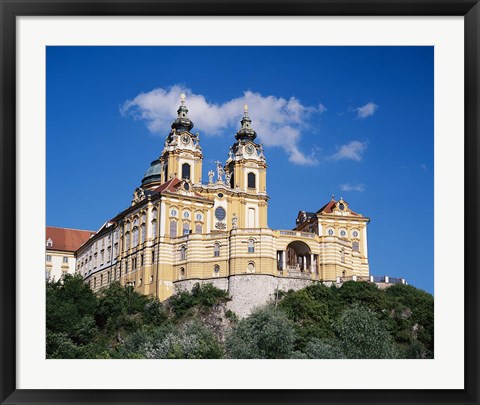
x=135 y=236
x=173 y=229
x=216 y=269
x=355 y=246
x=251 y=246
x=182 y=272
x=198 y=228
x=154 y=229
x=127 y=241
x=251 y=180
x=144 y=233
x=183 y=253
x=186 y=171
x=186 y=228
x=216 y=250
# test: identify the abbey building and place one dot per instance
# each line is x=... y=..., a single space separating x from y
x=182 y=228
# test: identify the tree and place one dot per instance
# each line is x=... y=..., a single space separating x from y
x=362 y=336
x=266 y=334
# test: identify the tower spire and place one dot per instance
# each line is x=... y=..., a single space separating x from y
x=182 y=123
x=246 y=133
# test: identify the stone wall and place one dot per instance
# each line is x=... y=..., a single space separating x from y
x=248 y=291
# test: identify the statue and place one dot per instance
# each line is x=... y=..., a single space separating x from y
x=220 y=171
x=211 y=173
x=234 y=221
x=227 y=178
x=230 y=153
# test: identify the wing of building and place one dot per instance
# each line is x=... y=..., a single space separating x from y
x=180 y=229
x=61 y=245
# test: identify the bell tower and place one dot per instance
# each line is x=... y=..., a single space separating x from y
x=246 y=169
x=182 y=155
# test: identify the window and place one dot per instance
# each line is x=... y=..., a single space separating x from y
x=342 y=256
x=143 y=233
x=355 y=246
x=144 y=218
x=186 y=171
x=154 y=214
x=115 y=250
x=186 y=214
x=330 y=232
x=220 y=213
x=153 y=256
x=49 y=258
x=109 y=253
x=94 y=282
x=134 y=264
x=135 y=236
x=127 y=241
x=173 y=229
x=173 y=212
x=198 y=217
x=198 y=228
x=216 y=250
x=108 y=277
x=102 y=254
x=251 y=246
x=48 y=274
x=343 y=233
x=182 y=272
x=65 y=259
x=251 y=180
x=186 y=228
x=154 y=229
x=355 y=234
x=216 y=269
x=141 y=260
x=183 y=253
x=49 y=242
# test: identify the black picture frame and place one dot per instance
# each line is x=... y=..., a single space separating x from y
x=11 y=9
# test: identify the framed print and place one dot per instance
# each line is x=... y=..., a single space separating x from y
x=159 y=148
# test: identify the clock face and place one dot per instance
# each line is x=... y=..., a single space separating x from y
x=249 y=149
x=185 y=139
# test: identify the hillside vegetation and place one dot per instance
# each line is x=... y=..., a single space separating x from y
x=354 y=321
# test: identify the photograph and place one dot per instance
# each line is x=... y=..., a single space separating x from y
x=239 y=202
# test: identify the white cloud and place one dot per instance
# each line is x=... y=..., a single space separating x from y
x=352 y=187
x=351 y=151
x=276 y=120
x=366 y=111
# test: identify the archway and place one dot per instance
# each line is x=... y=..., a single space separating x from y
x=298 y=256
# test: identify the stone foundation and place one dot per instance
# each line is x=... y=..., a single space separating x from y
x=249 y=291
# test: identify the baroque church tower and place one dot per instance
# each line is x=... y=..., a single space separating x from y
x=182 y=155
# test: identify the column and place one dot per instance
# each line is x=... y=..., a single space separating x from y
x=284 y=259
x=312 y=268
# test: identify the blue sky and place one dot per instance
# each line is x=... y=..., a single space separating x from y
x=356 y=122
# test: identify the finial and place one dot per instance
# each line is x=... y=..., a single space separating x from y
x=333 y=197
x=245 y=110
x=182 y=98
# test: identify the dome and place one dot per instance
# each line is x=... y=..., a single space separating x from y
x=152 y=174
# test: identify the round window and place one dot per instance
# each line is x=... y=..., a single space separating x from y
x=330 y=232
x=186 y=214
x=343 y=233
x=186 y=186
x=355 y=234
x=199 y=217
x=216 y=268
x=173 y=213
x=220 y=195
x=220 y=213
x=251 y=266
x=341 y=207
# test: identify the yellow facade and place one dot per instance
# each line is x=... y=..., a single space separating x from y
x=183 y=227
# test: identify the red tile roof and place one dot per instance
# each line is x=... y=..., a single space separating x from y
x=328 y=208
x=172 y=186
x=66 y=239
